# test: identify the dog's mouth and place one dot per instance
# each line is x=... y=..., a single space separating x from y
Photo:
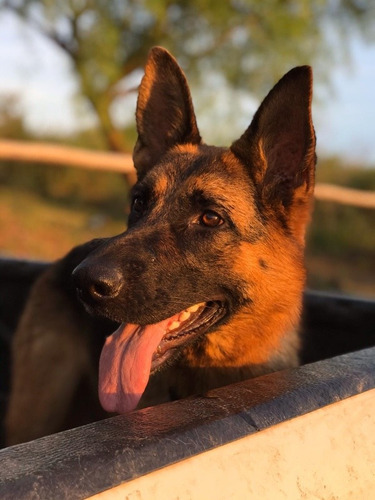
x=184 y=328
x=133 y=352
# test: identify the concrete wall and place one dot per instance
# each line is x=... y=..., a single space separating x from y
x=300 y=433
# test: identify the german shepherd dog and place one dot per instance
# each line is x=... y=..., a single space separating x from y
x=206 y=283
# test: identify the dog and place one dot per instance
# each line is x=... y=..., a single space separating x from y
x=55 y=354
x=205 y=286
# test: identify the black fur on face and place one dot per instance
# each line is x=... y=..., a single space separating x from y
x=183 y=231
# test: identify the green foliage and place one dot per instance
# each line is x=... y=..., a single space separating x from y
x=339 y=230
x=11 y=121
x=341 y=239
x=250 y=42
x=340 y=249
x=331 y=170
x=72 y=187
x=69 y=186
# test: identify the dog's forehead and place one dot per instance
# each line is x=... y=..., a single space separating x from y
x=203 y=178
x=210 y=170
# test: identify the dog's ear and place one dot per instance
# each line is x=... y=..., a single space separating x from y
x=165 y=115
x=278 y=148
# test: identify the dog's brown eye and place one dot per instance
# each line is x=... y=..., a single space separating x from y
x=211 y=219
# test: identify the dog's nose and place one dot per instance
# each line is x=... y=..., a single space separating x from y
x=96 y=283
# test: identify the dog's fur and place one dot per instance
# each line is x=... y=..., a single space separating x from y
x=55 y=354
x=221 y=226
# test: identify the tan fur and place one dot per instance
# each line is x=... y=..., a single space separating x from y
x=186 y=148
x=147 y=84
x=259 y=339
x=161 y=185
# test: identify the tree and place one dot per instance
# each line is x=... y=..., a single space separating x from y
x=248 y=41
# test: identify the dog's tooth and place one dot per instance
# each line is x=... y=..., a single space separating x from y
x=174 y=325
x=194 y=308
x=184 y=315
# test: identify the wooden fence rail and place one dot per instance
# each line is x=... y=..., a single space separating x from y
x=41 y=152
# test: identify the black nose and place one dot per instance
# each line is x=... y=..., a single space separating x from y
x=95 y=283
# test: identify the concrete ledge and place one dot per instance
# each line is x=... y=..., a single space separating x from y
x=86 y=461
x=328 y=453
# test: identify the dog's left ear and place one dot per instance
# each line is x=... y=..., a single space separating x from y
x=278 y=149
x=165 y=115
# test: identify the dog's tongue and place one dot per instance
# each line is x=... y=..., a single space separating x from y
x=125 y=364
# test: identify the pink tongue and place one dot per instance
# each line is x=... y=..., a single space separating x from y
x=125 y=364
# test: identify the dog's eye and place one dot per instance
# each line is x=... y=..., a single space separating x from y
x=211 y=219
x=138 y=205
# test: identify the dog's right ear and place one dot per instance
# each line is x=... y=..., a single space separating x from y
x=165 y=115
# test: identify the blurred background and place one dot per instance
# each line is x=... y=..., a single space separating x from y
x=69 y=76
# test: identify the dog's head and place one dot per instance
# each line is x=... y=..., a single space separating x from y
x=215 y=235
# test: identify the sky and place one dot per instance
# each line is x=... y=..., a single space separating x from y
x=40 y=75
